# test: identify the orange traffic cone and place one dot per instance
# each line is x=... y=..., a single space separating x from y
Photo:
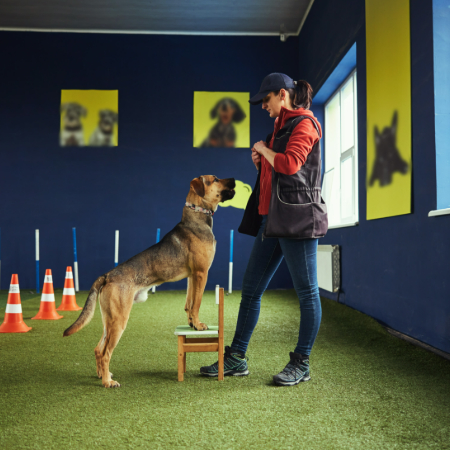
x=69 y=302
x=13 y=322
x=47 y=310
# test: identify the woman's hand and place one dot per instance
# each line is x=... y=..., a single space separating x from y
x=260 y=147
x=256 y=158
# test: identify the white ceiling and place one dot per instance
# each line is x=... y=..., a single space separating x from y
x=239 y=17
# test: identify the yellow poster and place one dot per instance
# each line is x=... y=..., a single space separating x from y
x=89 y=118
x=221 y=119
x=389 y=153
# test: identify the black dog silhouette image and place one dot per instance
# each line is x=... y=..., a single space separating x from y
x=387 y=159
x=223 y=134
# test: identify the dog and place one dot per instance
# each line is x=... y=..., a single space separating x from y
x=185 y=252
x=72 y=134
x=102 y=136
x=223 y=133
x=388 y=159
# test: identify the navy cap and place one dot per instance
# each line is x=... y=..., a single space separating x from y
x=273 y=82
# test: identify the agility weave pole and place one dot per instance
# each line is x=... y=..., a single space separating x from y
x=37 y=261
x=158 y=233
x=75 y=260
x=230 y=274
x=116 y=249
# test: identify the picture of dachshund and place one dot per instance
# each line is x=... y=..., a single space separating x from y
x=72 y=133
x=103 y=135
x=223 y=133
x=388 y=159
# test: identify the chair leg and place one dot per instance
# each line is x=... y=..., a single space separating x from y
x=220 y=375
x=181 y=358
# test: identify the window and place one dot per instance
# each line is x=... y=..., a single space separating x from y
x=340 y=182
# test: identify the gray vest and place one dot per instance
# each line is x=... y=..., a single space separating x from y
x=296 y=208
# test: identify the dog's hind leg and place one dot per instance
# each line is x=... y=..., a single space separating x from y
x=199 y=283
x=116 y=312
x=189 y=301
x=99 y=352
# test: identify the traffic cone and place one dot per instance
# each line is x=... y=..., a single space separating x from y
x=13 y=322
x=47 y=310
x=69 y=302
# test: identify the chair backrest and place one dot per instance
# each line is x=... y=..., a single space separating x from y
x=219 y=301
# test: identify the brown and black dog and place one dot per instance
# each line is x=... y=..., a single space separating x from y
x=185 y=252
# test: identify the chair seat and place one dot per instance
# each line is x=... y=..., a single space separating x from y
x=186 y=330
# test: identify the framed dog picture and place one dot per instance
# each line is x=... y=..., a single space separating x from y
x=221 y=119
x=89 y=118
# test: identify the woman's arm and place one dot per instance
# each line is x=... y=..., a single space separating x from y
x=298 y=148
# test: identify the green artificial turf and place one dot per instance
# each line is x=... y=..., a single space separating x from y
x=369 y=390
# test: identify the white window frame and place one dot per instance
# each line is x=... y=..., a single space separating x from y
x=352 y=152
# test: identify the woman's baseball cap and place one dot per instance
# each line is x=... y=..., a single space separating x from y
x=273 y=82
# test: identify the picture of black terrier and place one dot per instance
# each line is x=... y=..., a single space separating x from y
x=387 y=159
x=223 y=133
x=72 y=134
x=103 y=135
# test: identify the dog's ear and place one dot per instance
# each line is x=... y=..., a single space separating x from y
x=394 y=123
x=64 y=106
x=198 y=186
x=213 y=113
x=239 y=115
x=377 y=135
x=83 y=111
x=115 y=117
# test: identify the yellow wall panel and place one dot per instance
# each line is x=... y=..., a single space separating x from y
x=389 y=161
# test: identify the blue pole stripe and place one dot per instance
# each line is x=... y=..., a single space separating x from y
x=231 y=245
x=74 y=244
x=158 y=231
x=37 y=276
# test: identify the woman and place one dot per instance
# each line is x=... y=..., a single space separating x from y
x=287 y=215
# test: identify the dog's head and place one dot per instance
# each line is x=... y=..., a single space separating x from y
x=107 y=120
x=212 y=190
x=73 y=113
x=228 y=111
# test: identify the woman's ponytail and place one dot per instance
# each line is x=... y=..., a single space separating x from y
x=301 y=96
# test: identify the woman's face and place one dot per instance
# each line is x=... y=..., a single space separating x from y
x=272 y=103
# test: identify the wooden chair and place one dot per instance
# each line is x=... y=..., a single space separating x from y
x=188 y=342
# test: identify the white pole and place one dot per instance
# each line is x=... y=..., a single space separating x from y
x=217 y=294
x=75 y=258
x=158 y=231
x=116 y=249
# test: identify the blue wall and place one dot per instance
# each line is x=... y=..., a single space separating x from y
x=141 y=184
x=394 y=269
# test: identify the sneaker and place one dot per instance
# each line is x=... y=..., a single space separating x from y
x=297 y=370
x=234 y=363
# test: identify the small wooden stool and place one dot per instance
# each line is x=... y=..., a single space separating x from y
x=201 y=344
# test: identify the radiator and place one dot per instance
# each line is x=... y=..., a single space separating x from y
x=328 y=267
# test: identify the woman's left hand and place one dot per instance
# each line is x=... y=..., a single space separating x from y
x=260 y=147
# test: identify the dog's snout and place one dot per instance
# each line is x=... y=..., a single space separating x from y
x=230 y=183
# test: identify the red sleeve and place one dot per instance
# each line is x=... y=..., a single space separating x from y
x=298 y=148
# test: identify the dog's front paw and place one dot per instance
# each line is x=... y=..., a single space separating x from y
x=201 y=326
x=111 y=384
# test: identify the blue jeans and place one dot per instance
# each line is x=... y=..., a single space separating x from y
x=266 y=256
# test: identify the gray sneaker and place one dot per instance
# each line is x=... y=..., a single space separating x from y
x=234 y=364
x=297 y=370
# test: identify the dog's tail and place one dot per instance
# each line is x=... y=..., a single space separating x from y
x=89 y=308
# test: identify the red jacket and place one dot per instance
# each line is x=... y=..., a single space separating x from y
x=300 y=145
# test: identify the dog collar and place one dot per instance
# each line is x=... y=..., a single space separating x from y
x=196 y=208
